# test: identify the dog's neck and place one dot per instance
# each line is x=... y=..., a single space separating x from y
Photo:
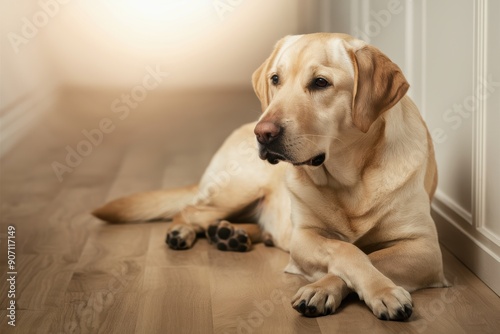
x=350 y=156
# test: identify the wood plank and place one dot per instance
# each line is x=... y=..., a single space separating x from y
x=175 y=300
x=113 y=252
x=103 y=292
x=159 y=255
x=121 y=246
x=104 y=311
x=41 y=280
x=51 y=227
x=251 y=294
x=29 y=321
x=140 y=170
x=50 y=238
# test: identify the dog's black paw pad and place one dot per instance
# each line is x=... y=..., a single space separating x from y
x=267 y=239
x=269 y=242
x=242 y=248
x=233 y=243
x=176 y=242
x=240 y=242
x=227 y=238
x=242 y=238
x=224 y=233
x=179 y=240
x=236 y=246
x=212 y=233
x=222 y=247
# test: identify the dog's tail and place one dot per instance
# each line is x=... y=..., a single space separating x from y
x=146 y=206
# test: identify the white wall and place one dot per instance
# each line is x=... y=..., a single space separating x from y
x=490 y=216
x=109 y=43
x=449 y=81
x=27 y=80
x=448 y=49
x=200 y=43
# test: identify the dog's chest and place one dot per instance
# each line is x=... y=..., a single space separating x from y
x=341 y=214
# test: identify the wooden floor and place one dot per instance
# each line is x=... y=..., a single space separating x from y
x=76 y=274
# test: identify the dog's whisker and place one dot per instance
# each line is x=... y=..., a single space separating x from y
x=321 y=136
x=315 y=144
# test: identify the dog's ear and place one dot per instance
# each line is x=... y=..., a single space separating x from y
x=378 y=85
x=261 y=85
x=260 y=80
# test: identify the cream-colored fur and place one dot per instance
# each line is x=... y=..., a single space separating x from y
x=351 y=199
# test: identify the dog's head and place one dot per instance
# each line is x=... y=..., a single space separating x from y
x=314 y=89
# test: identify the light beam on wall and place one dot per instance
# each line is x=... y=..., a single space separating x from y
x=178 y=15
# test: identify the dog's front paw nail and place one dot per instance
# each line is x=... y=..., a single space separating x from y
x=311 y=309
x=302 y=307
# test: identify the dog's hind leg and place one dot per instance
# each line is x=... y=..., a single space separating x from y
x=211 y=221
x=192 y=221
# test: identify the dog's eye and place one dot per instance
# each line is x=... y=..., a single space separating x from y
x=275 y=79
x=321 y=83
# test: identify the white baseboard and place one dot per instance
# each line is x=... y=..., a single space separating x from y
x=471 y=247
x=17 y=119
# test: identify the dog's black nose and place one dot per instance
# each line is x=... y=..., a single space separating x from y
x=266 y=132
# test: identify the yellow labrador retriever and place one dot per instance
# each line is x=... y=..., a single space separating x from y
x=352 y=202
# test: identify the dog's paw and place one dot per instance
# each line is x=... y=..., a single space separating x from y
x=227 y=238
x=391 y=303
x=315 y=300
x=180 y=236
x=267 y=239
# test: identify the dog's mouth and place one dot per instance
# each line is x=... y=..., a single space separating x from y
x=274 y=157
x=315 y=161
x=271 y=157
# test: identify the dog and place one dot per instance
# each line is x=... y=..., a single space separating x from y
x=350 y=200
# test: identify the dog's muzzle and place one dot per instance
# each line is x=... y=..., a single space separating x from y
x=271 y=157
x=268 y=135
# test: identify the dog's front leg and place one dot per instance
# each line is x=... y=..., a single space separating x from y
x=317 y=255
